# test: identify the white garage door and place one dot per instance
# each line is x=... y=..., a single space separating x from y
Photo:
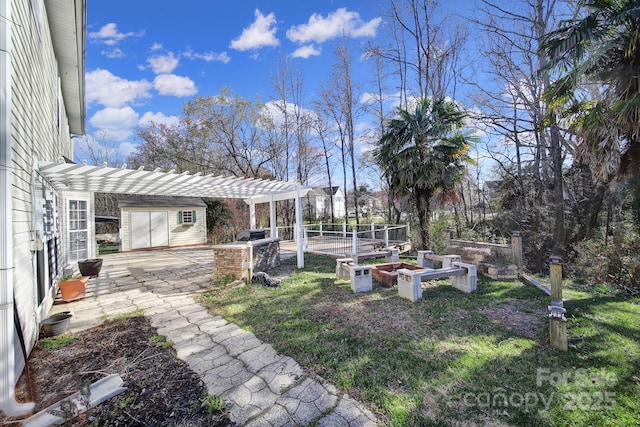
x=149 y=229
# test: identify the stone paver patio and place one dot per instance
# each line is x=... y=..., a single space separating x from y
x=260 y=386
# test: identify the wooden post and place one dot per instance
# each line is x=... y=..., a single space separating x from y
x=448 y=236
x=557 y=319
x=558 y=331
x=516 y=249
x=555 y=267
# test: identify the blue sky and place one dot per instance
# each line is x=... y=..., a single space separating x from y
x=145 y=59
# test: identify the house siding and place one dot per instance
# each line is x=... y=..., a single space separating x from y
x=179 y=235
x=39 y=131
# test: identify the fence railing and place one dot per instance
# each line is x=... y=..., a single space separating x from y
x=342 y=239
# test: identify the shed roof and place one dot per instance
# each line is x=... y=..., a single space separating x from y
x=74 y=177
x=159 y=201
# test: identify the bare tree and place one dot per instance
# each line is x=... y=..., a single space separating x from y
x=100 y=149
x=338 y=100
x=529 y=149
x=425 y=49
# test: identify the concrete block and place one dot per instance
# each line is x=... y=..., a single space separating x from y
x=423 y=261
x=342 y=272
x=393 y=255
x=409 y=284
x=466 y=283
x=448 y=260
x=360 y=276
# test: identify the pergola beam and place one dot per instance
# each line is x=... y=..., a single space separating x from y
x=103 y=179
x=71 y=176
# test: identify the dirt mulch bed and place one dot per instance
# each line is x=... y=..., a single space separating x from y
x=162 y=390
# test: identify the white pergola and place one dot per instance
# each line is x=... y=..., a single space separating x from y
x=103 y=179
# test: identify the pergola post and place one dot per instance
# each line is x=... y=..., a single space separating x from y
x=252 y=215
x=273 y=219
x=299 y=230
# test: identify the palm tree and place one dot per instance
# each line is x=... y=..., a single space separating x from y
x=598 y=89
x=423 y=152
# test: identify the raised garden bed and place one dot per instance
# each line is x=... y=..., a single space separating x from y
x=387 y=274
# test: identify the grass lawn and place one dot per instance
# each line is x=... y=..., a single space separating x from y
x=452 y=358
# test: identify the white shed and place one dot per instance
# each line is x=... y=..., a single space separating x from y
x=157 y=221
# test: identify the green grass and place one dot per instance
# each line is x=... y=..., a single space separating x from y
x=108 y=249
x=160 y=341
x=124 y=316
x=59 y=341
x=452 y=358
x=213 y=403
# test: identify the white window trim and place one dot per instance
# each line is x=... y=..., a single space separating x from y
x=68 y=201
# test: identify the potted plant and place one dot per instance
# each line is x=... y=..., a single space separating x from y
x=90 y=267
x=72 y=288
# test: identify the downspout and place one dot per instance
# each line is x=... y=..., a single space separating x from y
x=8 y=404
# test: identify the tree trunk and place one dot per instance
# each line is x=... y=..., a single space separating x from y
x=423 y=208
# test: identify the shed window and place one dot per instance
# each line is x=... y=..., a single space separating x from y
x=186 y=217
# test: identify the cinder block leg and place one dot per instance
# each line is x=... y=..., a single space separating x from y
x=409 y=285
x=424 y=262
x=361 y=279
x=341 y=271
x=466 y=283
x=393 y=255
x=448 y=260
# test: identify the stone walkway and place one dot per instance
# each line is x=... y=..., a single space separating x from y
x=260 y=387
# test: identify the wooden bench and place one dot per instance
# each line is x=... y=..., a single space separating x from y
x=390 y=255
x=429 y=258
x=463 y=277
x=359 y=275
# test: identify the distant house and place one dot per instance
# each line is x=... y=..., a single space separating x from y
x=369 y=204
x=159 y=221
x=317 y=204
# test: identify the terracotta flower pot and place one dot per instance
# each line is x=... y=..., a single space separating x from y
x=73 y=289
x=90 y=267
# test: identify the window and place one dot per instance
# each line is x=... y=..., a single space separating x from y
x=186 y=217
x=78 y=229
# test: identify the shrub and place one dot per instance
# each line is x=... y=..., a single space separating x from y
x=615 y=264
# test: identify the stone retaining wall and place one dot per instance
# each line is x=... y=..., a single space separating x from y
x=493 y=260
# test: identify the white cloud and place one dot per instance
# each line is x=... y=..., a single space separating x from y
x=171 y=84
x=261 y=33
x=274 y=110
x=114 y=118
x=306 y=51
x=208 y=56
x=126 y=148
x=108 y=90
x=163 y=64
x=370 y=98
x=159 y=118
x=156 y=46
x=110 y=35
x=319 y=29
x=113 y=53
